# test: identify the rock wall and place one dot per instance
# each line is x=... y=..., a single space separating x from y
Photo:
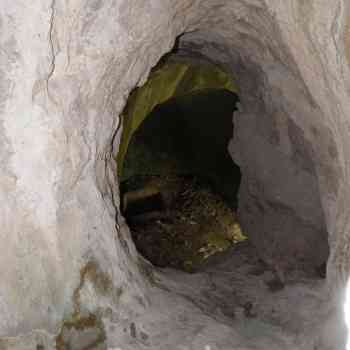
x=279 y=199
x=67 y=68
x=284 y=141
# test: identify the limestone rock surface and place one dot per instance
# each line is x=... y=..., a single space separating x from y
x=66 y=70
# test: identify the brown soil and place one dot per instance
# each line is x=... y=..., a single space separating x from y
x=178 y=221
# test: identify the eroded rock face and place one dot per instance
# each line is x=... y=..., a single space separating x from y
x=282 y=141
x=279 y=199
x=67 y=68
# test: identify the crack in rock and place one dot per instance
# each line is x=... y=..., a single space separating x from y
x=52 y=48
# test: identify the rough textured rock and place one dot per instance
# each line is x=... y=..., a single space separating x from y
x=67 y=68
x=197 y=119
x=279 y=199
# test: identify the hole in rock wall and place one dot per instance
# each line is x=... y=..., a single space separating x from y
x=179 y=184
x=207 y=188
x=220 y=180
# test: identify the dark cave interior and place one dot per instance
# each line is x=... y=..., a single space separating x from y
x=179 y=186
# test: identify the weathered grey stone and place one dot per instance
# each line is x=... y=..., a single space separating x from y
x=66 y=69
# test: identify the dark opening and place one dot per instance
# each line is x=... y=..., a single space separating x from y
x=179 y=185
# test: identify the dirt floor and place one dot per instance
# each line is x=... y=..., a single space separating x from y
x=178 y=221
x=232 y=300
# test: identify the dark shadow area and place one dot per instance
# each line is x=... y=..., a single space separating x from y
x=179 y=185
x=188 y=135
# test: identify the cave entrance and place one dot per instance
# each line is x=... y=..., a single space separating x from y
x=179 y=183
x=179 y=189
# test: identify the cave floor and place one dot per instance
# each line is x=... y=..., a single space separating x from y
x=231 y=299
x=231 y=303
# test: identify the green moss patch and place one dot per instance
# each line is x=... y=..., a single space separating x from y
x=171 y=79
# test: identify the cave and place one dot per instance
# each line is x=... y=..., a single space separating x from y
x=178 y=182
x=71 y=73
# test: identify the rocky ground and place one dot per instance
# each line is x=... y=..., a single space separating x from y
x=231 y=302
x=232 y=299
x=178 y=221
